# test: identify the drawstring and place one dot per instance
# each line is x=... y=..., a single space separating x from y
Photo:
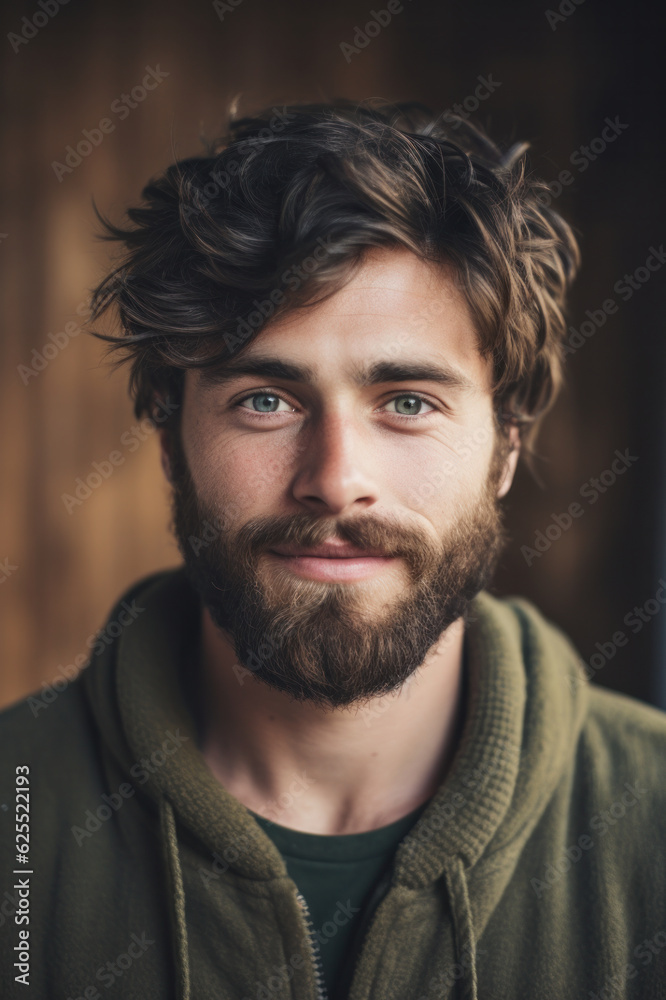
x=176 y=896
x=463 y=927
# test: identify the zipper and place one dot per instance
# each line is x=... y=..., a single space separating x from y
x=315 y=950
x=351 y=961
x=350 y=964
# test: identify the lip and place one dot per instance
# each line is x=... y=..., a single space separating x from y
x=341 y=562
x=329 y=550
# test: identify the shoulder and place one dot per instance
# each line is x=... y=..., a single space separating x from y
x=529 y=633
x=47 y=730
x=54 y=727
x=617 y=731
x=624 y=736
x=619 y=738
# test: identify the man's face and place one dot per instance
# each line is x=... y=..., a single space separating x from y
x=303 y=452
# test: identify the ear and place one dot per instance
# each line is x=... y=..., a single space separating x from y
x=511 y=462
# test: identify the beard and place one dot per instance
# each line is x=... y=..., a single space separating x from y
x=325 y=642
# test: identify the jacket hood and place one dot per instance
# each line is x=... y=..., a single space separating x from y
x=525 y=707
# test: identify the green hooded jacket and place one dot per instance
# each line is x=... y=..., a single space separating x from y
x=536 y=871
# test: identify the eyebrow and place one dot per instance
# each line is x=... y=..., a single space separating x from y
x=265 y=366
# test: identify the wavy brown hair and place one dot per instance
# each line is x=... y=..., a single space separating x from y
x=218 y=233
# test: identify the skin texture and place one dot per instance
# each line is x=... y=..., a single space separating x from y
x=334 y=453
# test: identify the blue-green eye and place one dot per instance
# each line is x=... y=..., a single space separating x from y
x=268 y=403
x=415 y=402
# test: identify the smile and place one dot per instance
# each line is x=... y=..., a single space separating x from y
x=333 y=567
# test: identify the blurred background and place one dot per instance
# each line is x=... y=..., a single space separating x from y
x=581 y=81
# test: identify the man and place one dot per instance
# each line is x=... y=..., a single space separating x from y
x=321 y=760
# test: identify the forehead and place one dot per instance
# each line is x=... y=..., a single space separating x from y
x=396 y=308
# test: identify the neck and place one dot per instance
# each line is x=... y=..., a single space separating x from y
x=344 y=770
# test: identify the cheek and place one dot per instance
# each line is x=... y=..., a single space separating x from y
x=239 y=473
x=438 y=473
x=428 y=478
x=263 y=473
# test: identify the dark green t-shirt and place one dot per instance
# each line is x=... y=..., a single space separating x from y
x=336 y=875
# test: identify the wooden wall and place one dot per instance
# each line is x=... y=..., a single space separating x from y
x=558 y=82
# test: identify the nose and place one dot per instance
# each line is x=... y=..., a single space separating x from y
x=334 y=471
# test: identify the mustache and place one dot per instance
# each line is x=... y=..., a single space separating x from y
x=385 y=535
x=305 y=531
